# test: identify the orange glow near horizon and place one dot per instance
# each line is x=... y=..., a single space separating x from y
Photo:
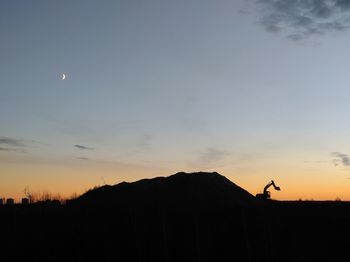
x=297 y=183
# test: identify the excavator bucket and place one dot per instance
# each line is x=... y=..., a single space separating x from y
x=278 y=188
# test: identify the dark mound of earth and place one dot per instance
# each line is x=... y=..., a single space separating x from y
x=185 y=189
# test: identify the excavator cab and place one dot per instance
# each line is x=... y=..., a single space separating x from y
x=268 y=194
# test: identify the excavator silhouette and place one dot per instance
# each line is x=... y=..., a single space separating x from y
x=267 y=195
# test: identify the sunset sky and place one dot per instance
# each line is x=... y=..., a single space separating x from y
x=255 y=90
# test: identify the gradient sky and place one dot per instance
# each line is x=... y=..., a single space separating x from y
x=255 y=90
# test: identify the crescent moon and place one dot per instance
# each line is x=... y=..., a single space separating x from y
x=63 y=77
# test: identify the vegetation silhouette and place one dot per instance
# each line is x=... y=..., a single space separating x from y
x=184 y=217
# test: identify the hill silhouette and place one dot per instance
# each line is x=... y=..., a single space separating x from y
x=181 y=189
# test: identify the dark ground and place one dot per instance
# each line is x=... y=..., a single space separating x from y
x=147 y=222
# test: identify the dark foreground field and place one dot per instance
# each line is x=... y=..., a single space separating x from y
x=185 y=217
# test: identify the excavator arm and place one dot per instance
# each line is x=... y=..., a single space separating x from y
x=272 y=183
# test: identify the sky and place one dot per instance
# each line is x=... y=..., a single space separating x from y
x=255 y=90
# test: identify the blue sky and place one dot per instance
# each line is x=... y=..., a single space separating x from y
x=158 y=87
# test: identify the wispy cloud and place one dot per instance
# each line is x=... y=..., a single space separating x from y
x=83 y=158
x=83 y=147
x=8 y=144
x=341 y=159
x=210 y=157
x=144 y=141
x=300 y=19
x=12 y=142
x=6 y=149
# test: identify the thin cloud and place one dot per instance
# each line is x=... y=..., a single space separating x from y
x=6 y=149
x=83 y=158
x=210 y=157
x=300 y=19
x=83 y=147
x=12 y=142
x=8 y=144
x=341 y=159
x=144 y=141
